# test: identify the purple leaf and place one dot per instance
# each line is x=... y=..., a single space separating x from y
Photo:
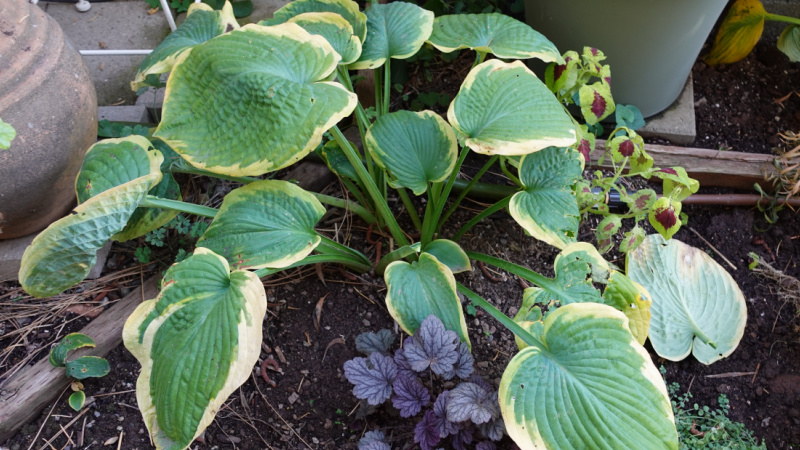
x=409 y=396
x=370 y=342
x=463 y=366
x=666 y=216
x=373 y=440
x=374 y=383
x=468 y=401
x=463 y=438
x=585 y=147
x=433 y=346
x=626 y=148
x=425 y=433
x=486 y=445
x=598 y=105
x=403 y=366
x=493 y=429
x=477 y=379
x=444 y=426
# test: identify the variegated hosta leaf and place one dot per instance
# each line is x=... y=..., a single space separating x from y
x=501 y=35
x=450 y=254
x=252 y=101
x=697 y=306
x=589 y=385
x=335 y=29
x=202 y=23
x=420 y=289
x=394 y=30
x=197 y=343
x=739 y=32
x=267 y=223
x=416 y=148
x=503 y=109
x=64 y=253
x=633 y=300
x=345 y=8
x=337 y=161
x=547 y=208
x=789 y=42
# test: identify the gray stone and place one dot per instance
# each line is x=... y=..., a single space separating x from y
x=676 y=123
x=132 y=113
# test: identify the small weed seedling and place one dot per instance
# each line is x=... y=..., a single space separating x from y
x=79 y=368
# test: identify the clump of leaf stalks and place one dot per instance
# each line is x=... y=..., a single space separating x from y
x=788 y=286
x=785 y=180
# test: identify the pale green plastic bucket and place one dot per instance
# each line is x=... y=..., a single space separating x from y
x=651 y=44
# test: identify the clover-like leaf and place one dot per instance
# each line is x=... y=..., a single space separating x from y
x=87 y=367
x=499 y=34
x=64 y=253
x=268 y=223
x=76 y=400
x=697 y=307
x=373 y=384
x=665 y=217
x=432 y=346
x=7 y=134
x=72 y=341
x=738 y=33
x=348 y=9
x=335 y=29
x=547 y=208
x=468 y=401
x=416 y=148
x=410 y=396
x=202 y=23
x=789 y=42
x=588 y=365
x=630 y=297
x=426 y=432
x=197 y=343
x=395 y=30
x=369 y=342
x=450 y=254
x=420 y=289
x=491 y=117
x=254 y=100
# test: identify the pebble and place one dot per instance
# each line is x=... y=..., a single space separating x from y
x=328 y=424
x=483 y=364
x=476 y=322
x=723 y=389
x=231 y=439
x=97 y=413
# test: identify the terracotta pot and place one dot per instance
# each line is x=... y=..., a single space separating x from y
x=47 y=95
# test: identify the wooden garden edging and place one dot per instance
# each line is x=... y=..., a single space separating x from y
x=709 y=167
x=23 y=396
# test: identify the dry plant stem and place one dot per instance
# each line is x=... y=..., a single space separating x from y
x=738 y=200
x=713 y=248
x=263 y=397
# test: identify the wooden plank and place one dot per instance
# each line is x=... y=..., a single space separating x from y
x=23 y=396
x=709 y=167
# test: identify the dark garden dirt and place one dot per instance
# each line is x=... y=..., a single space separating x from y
x=307 y=402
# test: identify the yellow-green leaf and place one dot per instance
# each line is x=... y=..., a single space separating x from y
x=739 y=32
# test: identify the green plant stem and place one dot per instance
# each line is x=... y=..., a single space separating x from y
x=507 y=322
x=410 y=208
x=387 y=86
x=316 y=259
x=380 y=203
x=780 y=18
x=508 y=173
x=488 y=191
x=378 y=79
x=479 y=58
x=486 y=213
x=396 y=255
x=522 y=272
x=329 y=246
x=184 y=167
x=466 y=189
x=152 y=201
x=361 y=116
x=427 y=233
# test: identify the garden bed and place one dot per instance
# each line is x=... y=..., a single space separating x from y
x=311 y=403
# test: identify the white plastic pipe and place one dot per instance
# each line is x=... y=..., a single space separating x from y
x=168 y=13
x=114 y=52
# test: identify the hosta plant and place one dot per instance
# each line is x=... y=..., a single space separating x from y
x=242 y=102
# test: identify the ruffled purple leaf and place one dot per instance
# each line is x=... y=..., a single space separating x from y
x=444 y=426
x=463 y=438
x=477 y=379
x=426 y=433
x=468 y=401
x=373 y=381
x=463 y=366
x=373 y=440
x=493 y=429
x=409 y=396
x=370 y=342
x=486 y=445
x=403 y=366
x=433 y=346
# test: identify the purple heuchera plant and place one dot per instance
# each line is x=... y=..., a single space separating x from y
x=459 y=414
x=373 y=440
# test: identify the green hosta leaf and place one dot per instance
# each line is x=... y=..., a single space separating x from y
x=345 y=8
x=632 y=239
x=335 y=29
x=76 y=400
x=415 y=148
x=202 y=23
x=492 y=117
x=587 y=383
x=253 y=100
x=677 y=184
x=665 y=217
x=450 y=254
x=420 y=289
x=697 y=306
x=64 y=253
x=197 y=343
x=7 y=134
x=739 y=32
x=72 y=341
x=501 y=35
x=596 y=102
x=633 y=300
x=267 y=223
x=547 y=208
x=606 y=229
x=87 y=367
x=337 y=161
x=789 y=42
x=396 y=30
